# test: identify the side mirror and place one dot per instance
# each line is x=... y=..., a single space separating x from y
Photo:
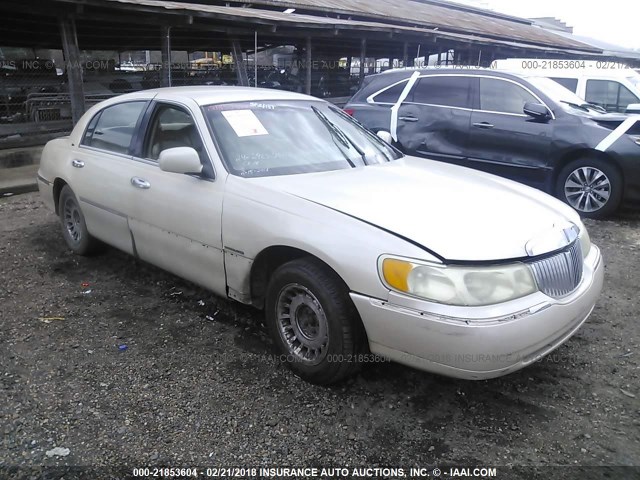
x=633 y=108
x=386 y=136
x=536 y=110
x=180 y=160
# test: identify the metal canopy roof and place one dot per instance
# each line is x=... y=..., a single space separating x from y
x=469 y=26
x=119 y=24
x=444 y=16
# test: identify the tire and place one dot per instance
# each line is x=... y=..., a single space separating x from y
x=592 y=186
x=326 y=329
x=74 y=227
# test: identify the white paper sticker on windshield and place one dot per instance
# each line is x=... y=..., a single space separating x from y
x=245 y=123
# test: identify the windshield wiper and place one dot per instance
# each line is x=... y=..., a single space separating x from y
x=340 y=136
x=585 y=106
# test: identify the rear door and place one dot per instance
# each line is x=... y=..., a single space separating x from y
x=434 y=119
x=505 y=141
x=100 y=177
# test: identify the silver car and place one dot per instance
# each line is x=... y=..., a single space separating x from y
x=355 y=252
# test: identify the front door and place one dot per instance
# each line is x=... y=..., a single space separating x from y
x=176 y=219
x=505 y=141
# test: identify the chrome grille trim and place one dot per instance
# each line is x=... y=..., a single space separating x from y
x=559 y=274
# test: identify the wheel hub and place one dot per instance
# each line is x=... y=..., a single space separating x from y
x=302 y=323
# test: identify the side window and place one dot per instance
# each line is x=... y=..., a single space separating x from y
x=611 y=95
x=171 y=127
x=505 y=97
x=569 y=83
x=625 y=98
x=449 y=91
x=390 y=94
x=113 y=128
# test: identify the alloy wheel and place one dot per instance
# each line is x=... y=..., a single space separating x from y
x=587 y=189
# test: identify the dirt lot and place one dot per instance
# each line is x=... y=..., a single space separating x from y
x=196 y=385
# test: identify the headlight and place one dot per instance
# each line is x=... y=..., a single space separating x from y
x=462 y=286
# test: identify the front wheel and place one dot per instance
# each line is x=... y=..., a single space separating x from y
x=591 y=186
x=313 y=322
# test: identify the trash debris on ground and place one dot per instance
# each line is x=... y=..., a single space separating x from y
x=58 y=452
x=85 y=284
x=173 y=294
x=8 y=194
x=86 y=292
x=201 y=303
x=50 y=319
x=122 y=348
x=211 y=317
x=628 y=394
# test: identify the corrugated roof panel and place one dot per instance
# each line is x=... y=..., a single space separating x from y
x=511 y=34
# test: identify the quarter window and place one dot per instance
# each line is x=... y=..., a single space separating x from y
x=611 y=95
x=505 y=97
x=113 y=128
x=568 y=83
x=449 y=91
x=391 y=94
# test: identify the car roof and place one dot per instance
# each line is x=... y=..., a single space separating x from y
x=461 y=70
x=207 y=95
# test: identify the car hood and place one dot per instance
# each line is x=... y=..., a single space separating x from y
x=457 y=213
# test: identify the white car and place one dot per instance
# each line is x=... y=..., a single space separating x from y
x=354 y=251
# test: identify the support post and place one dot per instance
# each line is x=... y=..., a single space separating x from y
x=73 y=66
x=363 y=58
x=309 y=63
x=241 y=66
x=165 y=78
x=405 y=55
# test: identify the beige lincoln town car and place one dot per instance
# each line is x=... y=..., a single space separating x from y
x=284 y=202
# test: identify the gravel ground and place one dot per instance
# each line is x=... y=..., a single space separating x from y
x=196 y=384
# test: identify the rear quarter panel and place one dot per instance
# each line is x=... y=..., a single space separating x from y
x=52 y=166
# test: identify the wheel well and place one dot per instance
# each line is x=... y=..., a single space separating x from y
x=582 y=153
x=267 y=262
x=58 y=184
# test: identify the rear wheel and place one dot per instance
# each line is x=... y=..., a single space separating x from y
x=74 y=227
x=313 y=322
x=591 y=186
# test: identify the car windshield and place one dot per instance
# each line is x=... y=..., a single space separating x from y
x=561 y=95
x=267 y=138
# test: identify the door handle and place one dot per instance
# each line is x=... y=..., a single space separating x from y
x=408 y=119
x=140 y=183
x=77 y=163
x=483 y=125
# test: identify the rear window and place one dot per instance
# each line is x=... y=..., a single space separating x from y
x=449 y=91
x=113 y=128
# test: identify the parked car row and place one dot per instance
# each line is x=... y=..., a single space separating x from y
x=526 y=128
x=352 y=248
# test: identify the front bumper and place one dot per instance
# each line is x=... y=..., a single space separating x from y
x=478 y=342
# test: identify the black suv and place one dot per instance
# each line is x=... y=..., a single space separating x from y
x=525 y=128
